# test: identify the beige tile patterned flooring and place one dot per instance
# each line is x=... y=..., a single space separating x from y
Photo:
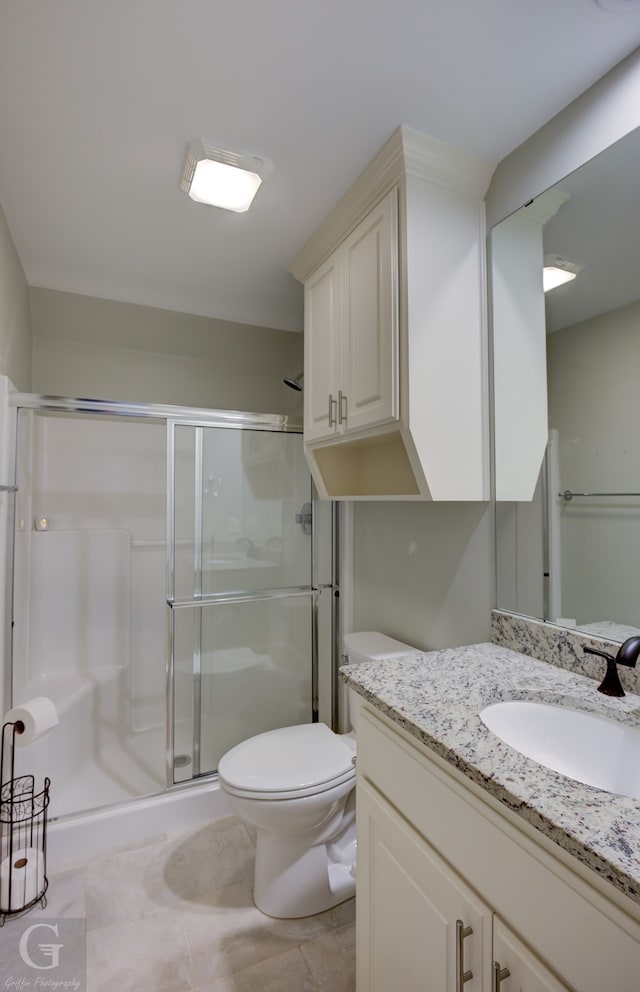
x=176 y=914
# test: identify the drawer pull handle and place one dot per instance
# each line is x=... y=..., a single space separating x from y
x=462 y=976
x=499 y=975
x=332 y=418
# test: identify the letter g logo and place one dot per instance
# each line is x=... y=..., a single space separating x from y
x=48 y=951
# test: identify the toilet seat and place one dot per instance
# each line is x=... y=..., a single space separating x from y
x=289 y=763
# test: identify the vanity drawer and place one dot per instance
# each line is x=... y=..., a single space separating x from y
x=556 y=912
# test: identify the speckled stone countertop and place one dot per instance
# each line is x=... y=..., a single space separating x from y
x=437 y=697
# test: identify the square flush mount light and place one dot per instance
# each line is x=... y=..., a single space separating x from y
x=557 y=271
x=221 y=178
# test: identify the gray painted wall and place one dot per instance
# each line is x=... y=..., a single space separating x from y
x=593 y=389
x=423 y=572
x=83 y=346
x=15 y=323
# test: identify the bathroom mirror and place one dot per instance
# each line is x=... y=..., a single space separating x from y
x=566 y=400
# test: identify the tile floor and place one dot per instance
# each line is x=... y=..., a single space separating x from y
x=176 y=914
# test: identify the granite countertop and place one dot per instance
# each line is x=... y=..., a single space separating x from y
x=437 y=696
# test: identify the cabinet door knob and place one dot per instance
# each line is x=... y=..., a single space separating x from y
x=462 y=976
x=498 y=976
x=332 y=417
x=342 y=407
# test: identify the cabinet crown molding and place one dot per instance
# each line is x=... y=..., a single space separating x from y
x=406 y=153
x=545 y=206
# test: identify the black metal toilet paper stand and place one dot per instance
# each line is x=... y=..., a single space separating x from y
x=23 y=833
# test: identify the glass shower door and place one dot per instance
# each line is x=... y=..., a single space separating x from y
x=241 y=594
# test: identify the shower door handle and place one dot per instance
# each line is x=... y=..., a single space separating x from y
x=305 y=518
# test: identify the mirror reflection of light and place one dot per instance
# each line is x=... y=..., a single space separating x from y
x=553 y=276
x=558 y=270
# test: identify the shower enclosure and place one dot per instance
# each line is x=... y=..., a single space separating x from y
x=172 y=591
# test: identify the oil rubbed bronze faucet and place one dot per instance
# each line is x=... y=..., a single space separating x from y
x=628 y=654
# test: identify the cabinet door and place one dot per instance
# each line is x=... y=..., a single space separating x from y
x=370 y=351
x=322 y=347
x=408 y=902
x=527 y=973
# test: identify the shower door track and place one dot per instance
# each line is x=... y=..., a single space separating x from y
x=191 y=416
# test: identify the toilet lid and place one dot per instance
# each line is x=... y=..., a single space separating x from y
x=292 y=759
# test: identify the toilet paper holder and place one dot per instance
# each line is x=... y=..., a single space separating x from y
x=23 y=833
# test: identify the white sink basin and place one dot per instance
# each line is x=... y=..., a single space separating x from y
x=585 y=747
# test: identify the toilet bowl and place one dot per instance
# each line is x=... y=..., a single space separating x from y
x=296 y=787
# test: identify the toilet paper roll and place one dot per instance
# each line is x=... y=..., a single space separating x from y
x=24 y=872
x=36 y=715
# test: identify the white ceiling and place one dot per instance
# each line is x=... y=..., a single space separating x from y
x=99 y=97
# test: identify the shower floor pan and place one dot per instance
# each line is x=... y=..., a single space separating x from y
x=91 y=759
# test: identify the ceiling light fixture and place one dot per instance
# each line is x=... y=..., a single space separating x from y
x=221 y=178
x=557 y=271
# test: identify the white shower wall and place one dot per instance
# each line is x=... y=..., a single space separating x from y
x=89 y=581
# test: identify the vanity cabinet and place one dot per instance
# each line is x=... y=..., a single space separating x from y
x=442 y=874
x=527 y=973
x=395 y=373
x=409 y=904
x=351 y=331
x=428 y=931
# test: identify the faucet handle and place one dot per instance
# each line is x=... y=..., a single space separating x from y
x=627 y=655
x=629 y=652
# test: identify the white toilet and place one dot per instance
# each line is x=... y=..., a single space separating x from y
x=296 y=786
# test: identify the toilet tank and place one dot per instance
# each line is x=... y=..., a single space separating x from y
x=367 y=646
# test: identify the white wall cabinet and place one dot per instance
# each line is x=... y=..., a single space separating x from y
x=432 y=852
x=396 y=397
x=351 y=331
x=323 y=350
x=521 y=416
